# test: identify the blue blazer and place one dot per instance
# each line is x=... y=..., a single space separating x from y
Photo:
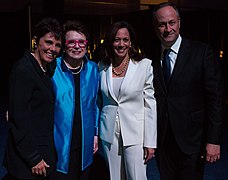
x=63 y=84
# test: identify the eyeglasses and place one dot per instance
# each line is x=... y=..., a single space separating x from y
x=72 y=43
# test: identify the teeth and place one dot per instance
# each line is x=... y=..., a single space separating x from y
x=50 y=55
x=121 y=51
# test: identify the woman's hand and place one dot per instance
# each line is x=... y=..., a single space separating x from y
x=95 y=144
x=148 y=154
x=40 y=169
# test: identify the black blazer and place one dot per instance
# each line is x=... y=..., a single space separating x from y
x=193 y=99
x=31 y=111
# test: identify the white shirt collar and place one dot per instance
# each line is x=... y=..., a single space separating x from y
x=175 y=47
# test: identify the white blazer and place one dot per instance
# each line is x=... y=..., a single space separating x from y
x=135 y=106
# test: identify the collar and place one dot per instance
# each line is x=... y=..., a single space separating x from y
x=65 y=68
x=175 y=47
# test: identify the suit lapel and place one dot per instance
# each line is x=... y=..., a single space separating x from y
x=45 y=78
x=110 y=82
x=126 y=81
x=180 y=61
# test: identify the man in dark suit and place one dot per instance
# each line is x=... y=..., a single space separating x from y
x=189 y=101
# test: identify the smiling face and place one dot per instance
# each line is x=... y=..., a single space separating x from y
x=48 y=48
x=167 y=25
x=121 y=43
x=77 y=51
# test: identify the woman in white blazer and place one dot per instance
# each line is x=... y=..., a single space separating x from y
x=128 y=123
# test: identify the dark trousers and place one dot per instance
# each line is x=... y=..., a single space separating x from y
x=82 y=175
x=173 y=164
x=9 y=177
x=74 y=171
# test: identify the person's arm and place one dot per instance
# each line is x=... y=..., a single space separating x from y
x=150 y=127
x=214 y=93
x=21 y=84
x=97 y=114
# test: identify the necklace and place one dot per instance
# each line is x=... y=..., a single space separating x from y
x=114 y=71
x=74 y=70
x=43 y=69
x=76 y=67
x=41 y=66
x=78 y=71
x=70 y=67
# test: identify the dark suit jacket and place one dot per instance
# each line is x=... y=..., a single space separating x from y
x=31 y=119
x=193 y=99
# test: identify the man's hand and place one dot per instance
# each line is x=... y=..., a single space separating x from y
x=212 y=152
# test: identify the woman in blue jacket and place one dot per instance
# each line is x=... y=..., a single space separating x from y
x=75 y=81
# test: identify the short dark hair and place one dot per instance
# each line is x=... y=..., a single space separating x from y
x=47 y=25
x=74 y=25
